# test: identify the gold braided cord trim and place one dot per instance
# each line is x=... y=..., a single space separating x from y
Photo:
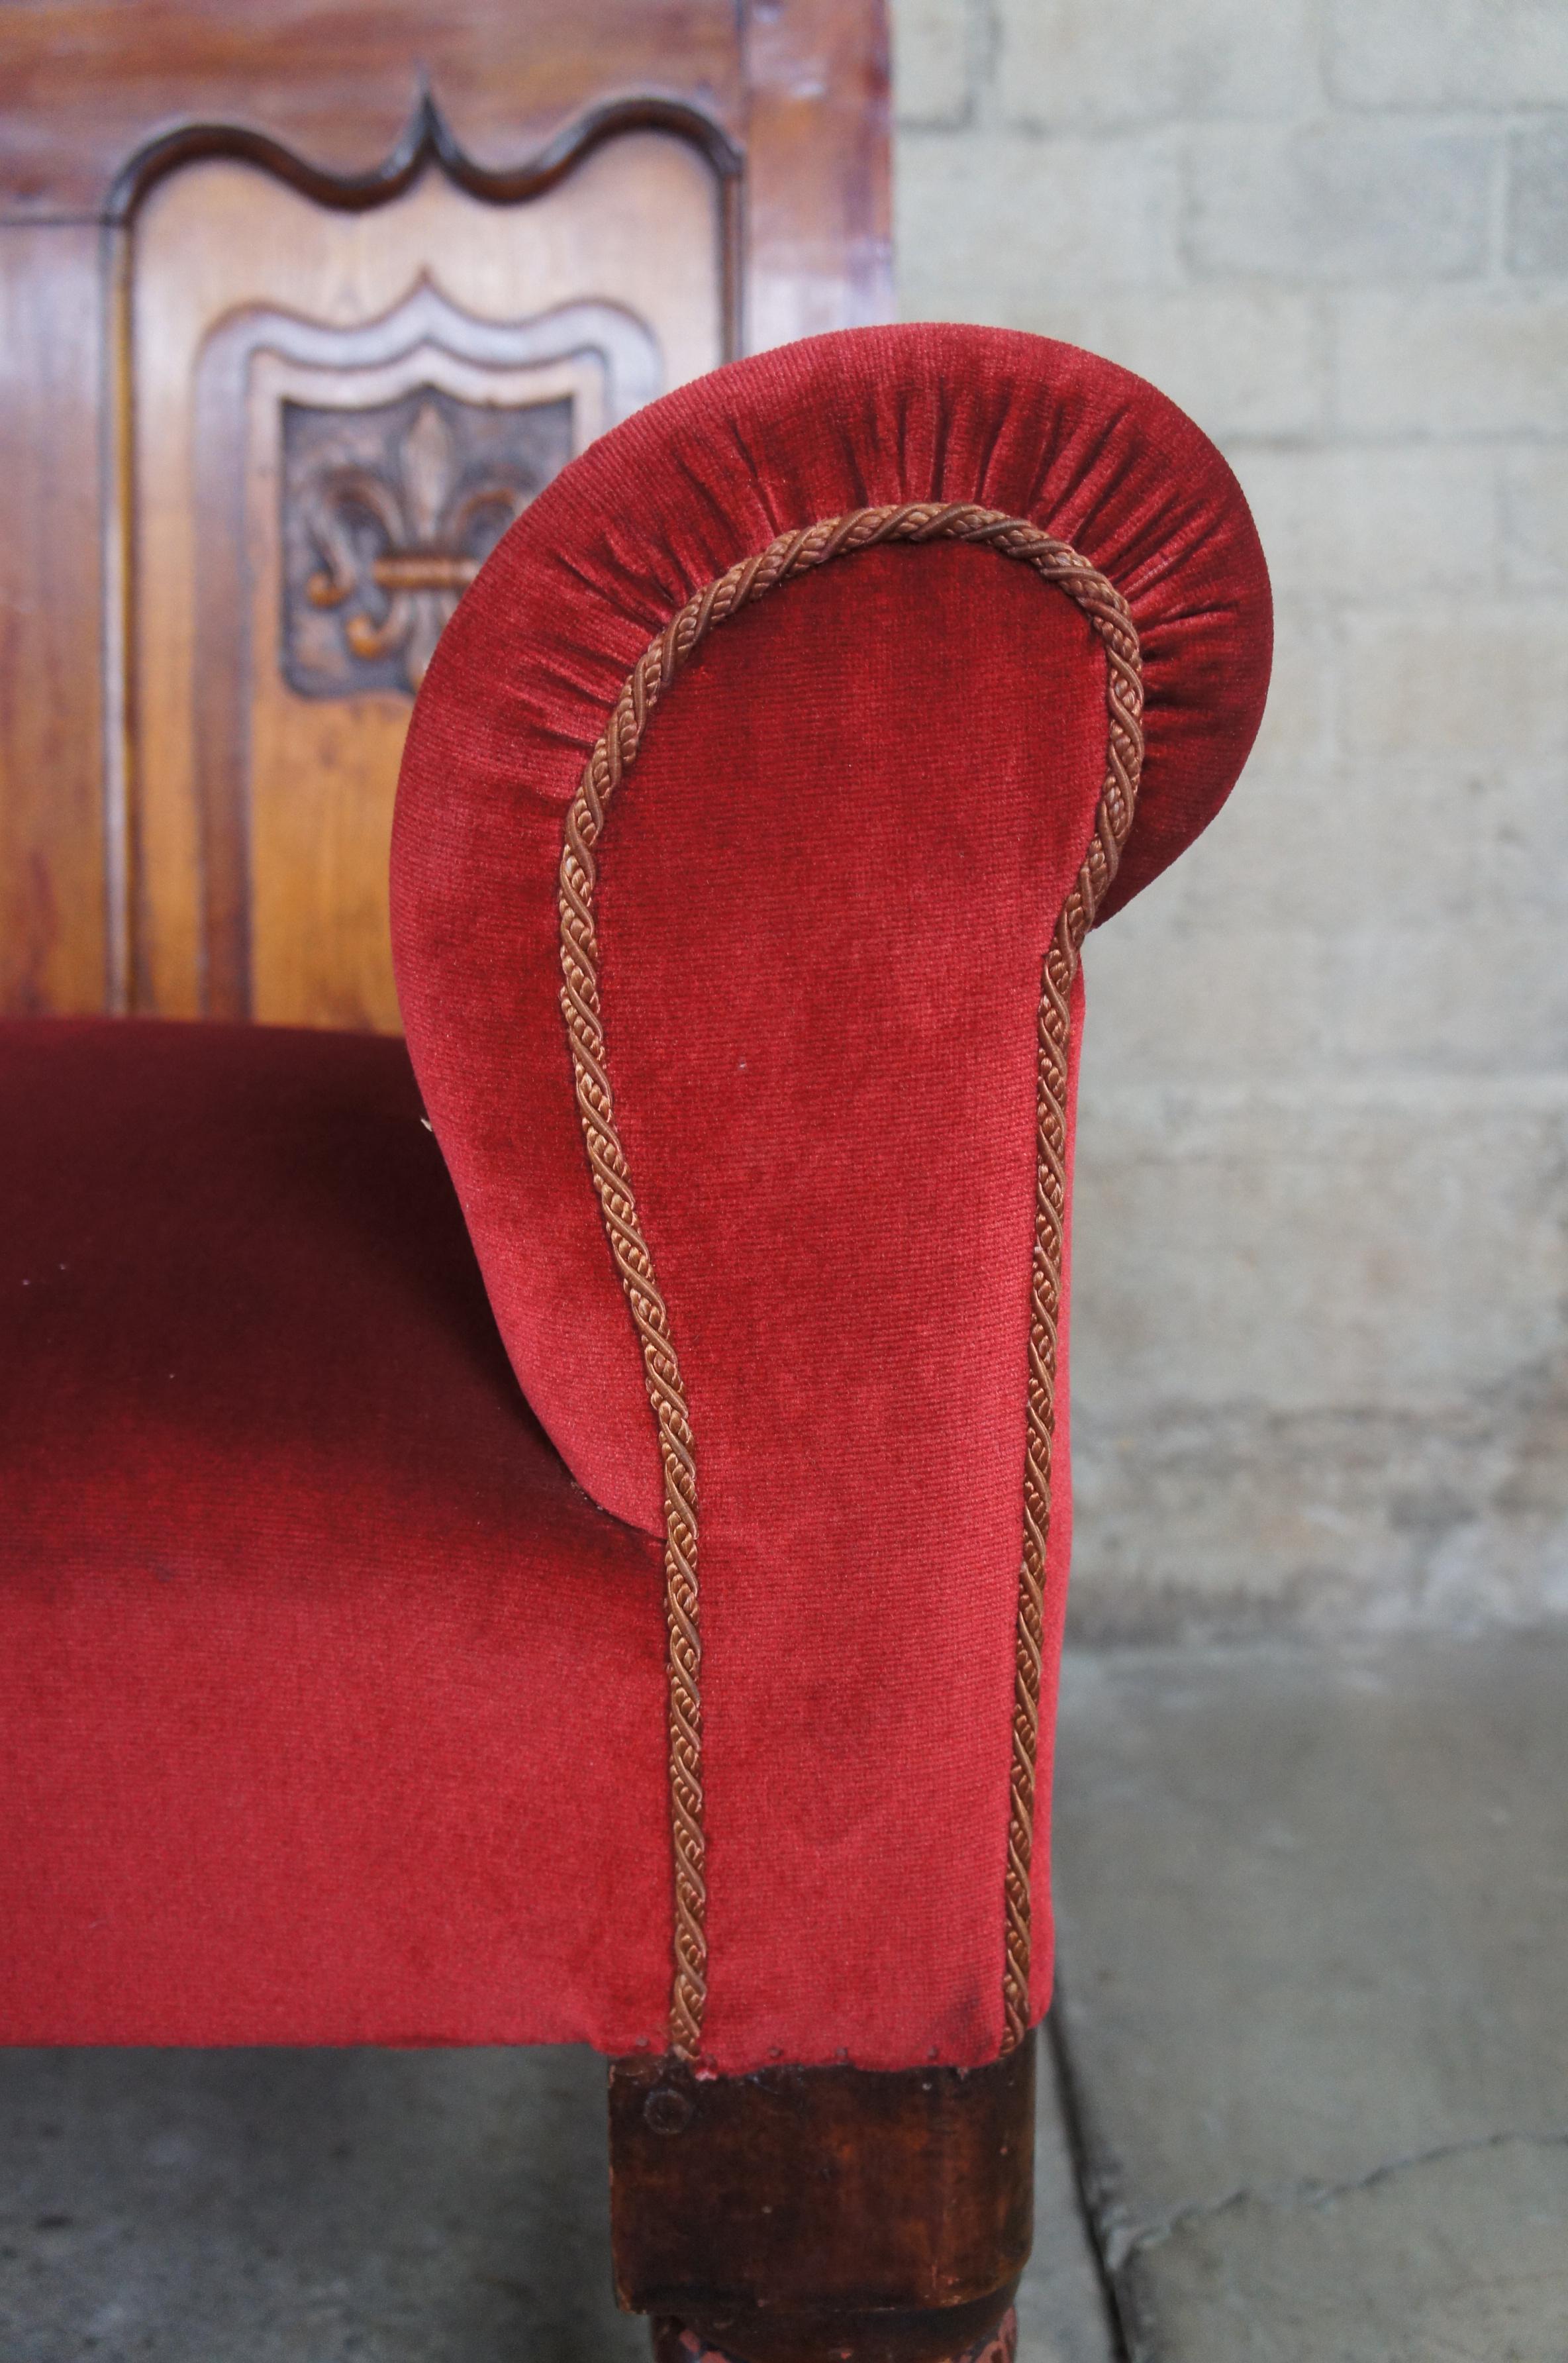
x=794 y=554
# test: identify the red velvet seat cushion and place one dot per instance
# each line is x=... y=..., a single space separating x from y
x=331 y=1710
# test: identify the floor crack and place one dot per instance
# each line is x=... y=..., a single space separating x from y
x=1124 y=2240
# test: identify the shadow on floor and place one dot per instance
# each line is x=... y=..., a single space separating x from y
x=306 y=2207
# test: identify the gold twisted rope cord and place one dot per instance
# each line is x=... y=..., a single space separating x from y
x=790 y=554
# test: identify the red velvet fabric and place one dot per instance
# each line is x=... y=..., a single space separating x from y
x=825 y=895
x=331 y=1711
x=331 y=1706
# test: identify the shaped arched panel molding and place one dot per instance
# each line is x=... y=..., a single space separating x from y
x=337 y=412
x=196 y=755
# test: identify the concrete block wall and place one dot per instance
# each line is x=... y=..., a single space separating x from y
x=1320 y=1365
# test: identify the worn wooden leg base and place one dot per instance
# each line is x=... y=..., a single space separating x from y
x=823 y=2214
x=673 y=2342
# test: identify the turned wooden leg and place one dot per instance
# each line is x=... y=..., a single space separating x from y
x=823 y=2214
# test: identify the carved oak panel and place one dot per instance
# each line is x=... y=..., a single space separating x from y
x=352 y=475
x=387 y=514
x=716 y=168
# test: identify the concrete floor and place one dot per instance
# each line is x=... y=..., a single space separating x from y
x=1314 y=2029
x=1315 y=1997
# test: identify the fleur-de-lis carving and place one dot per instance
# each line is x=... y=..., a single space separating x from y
x=398 y=549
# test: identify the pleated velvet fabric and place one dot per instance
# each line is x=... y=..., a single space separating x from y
x=824 y=898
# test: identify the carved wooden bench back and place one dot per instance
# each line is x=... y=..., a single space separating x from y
x=295 y=328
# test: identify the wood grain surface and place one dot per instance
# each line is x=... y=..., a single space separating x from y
x=804 y=2212
x=716 y=172
x=289 y=815
x=54 y=873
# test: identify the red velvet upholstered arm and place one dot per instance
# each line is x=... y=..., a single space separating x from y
x=806 y=931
